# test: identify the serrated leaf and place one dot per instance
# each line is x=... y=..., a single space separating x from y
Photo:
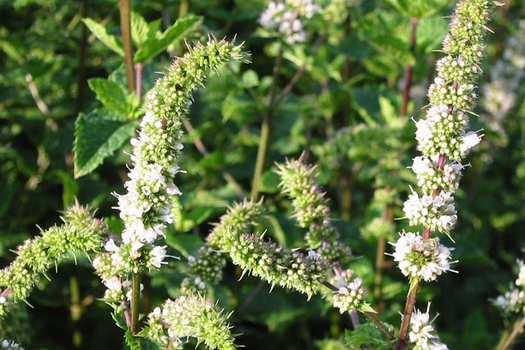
x=155 y=45
x=102 y=34
x=140 y=31
x=132 y=341
x=98 y=135
x=113 y=97
x=118 y=317
x=368 y=333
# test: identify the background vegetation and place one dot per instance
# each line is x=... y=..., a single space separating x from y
x=338 y=97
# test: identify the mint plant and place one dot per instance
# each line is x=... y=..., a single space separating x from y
x=283 y=175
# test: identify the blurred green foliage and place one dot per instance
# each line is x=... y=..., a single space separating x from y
x=58 y=81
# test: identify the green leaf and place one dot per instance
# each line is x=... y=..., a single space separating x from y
x=102 y=34
x=98 y=135
x=368 y=333
x=140 y=31
x=270 y=181
x=250 y=79
x=118 y=317
x=155 y=45
x=11 y=51
x=185 y=243
x=132 y=341
x=366 y=307
x=114 y=97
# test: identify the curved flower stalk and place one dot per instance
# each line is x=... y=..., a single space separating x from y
x=80 y=233
x=190 y=316
x=287 y=18
x=444 y=141
x=270 y=261
x=146 y=207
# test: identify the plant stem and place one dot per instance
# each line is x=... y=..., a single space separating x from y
x=409 y=69
x=405 y=324
x=265 y=128
x=75 y=309
x=372 y=317
x=82 y=56
x=138 y=80
x=135 y=302
x=125 y=25
x=508 y=338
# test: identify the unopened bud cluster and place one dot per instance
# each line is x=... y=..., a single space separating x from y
x=287 y=18
x=80 y=233
x=310 y=209
x=444 y=141
x=146 y=207
x=207 y=267
x=189 y=316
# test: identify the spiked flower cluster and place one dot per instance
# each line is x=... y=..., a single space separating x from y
x=350 y=294
x=421 y=258
x=513 y=301
x=444 y=141
x=273 y=262
x=80 y=233
x=190 y=316
x=310 y=209
x=207 y=266
x=287 y=18
x=146 y=207
x=422 y=333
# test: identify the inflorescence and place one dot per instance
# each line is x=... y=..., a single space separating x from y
x=146 y=207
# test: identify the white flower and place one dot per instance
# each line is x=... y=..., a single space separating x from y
x=421 y=258
x=422 y=333
x=157 y=255
x=469 y=140
x=422 y=165
x=434 y=212
x=110 y=246
x=114 y=283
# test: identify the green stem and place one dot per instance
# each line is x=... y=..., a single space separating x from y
x=135 y=302
x=509 y=337
x=125 y=25
x=372 y=317
x=75 y=309
x=409 y=69
x=265 y=129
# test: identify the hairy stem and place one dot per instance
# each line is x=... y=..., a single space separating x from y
x=409 y=69
x=135 y=302
x=405 y=324
x=125 y=25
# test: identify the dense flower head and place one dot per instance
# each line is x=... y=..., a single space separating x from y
x=318 y=234
x=435 y=212
x=431 y=177
x=207 y=264
x=189 y=316
x=240 y=216
x=421 y=258
x=334 y=251
x=422 y=333
x=287 y=18
x=512 y=301
x=298 y=181
x=350 y=294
